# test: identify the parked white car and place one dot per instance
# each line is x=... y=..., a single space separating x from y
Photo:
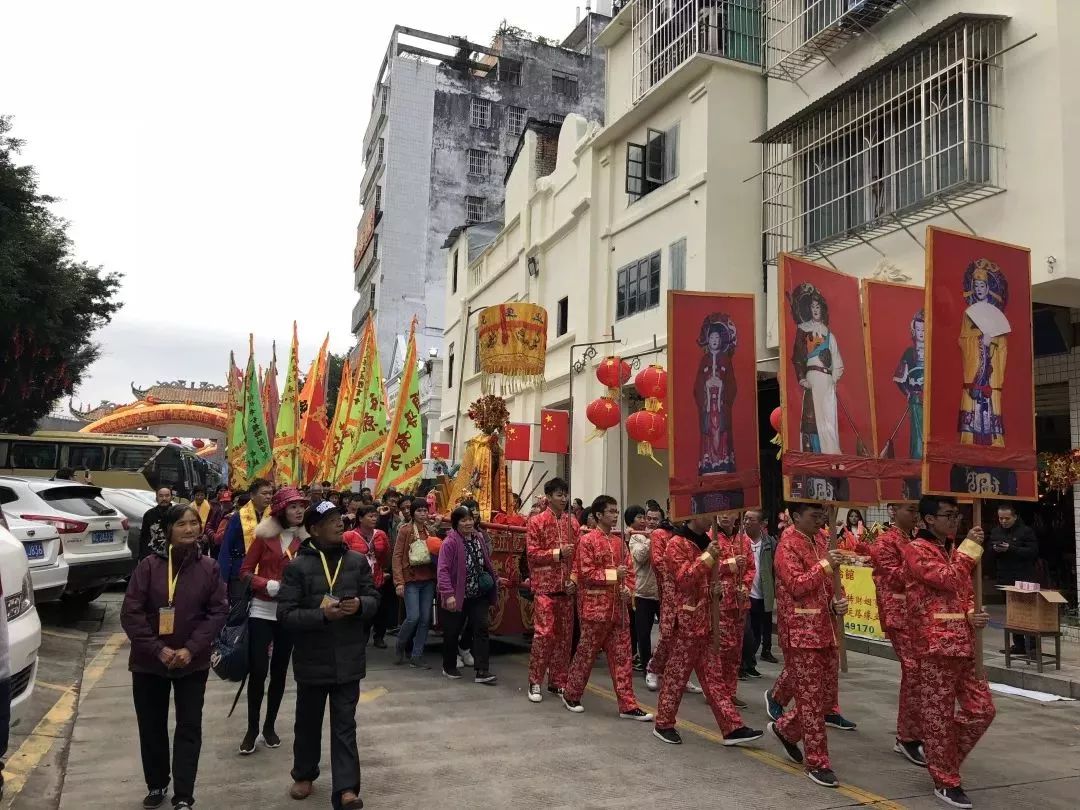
x=94 y=535
x=132 y=504
x=24 y=626
x=44 y=553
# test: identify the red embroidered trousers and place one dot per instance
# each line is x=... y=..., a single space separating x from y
x=553 y=631
x=784 y=690
x=949 y=733
x=663 y=647
x=689 y=654
x=614 y=640
x=812 y=676
x=908 y=728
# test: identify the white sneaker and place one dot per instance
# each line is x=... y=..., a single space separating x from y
x=535 y=693
x=652 y=682
x=466 y=658
x=460 y=663
x=692 y=688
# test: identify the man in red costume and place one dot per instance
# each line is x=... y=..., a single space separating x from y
x=658 y=539
x=733 y=591
x=807 y=605
x=887 y=553
x=551 y=538
x=604 y=573
x=943 y=621
x=707 y=635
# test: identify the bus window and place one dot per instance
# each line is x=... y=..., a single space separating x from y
x=33 y=456
x=132 y=459
x=86 y=457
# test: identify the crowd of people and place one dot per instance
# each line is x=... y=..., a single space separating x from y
x=322 y=576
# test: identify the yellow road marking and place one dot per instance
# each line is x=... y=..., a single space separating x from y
x=53 y=686
x=48 y=730
x=372 y=694
x=865 y=797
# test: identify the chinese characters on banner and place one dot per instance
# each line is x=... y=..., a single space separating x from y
x=713 y=431
x=896 y=350
x=980 y=394
x=826 y=432
x=862 y=616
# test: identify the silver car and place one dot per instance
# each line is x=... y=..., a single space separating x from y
x=132 y=504
x=93 y=534
x=48 y=568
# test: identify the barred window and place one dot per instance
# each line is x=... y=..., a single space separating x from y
x=475 y=210
x=480 y=115
x=509 y=71
x=555 y=118
x=515 y=121
x=638 y=287
x=479 y=161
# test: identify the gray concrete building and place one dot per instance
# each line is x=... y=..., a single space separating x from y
x=446 y=117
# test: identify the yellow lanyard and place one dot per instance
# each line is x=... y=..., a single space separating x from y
x=172 y=580
x=326 y=568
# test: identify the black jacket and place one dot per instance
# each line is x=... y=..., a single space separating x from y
x=1018 y=562
x=150 y=536
x=326 y=651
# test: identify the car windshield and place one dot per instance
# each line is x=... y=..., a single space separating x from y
x=77 y=501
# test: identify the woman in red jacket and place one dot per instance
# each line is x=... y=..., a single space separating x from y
x=375 y=546
x=277 y=539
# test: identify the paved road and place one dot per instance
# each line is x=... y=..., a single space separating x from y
x=426 y=741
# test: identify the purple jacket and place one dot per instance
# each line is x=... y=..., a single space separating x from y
x=201 y=610
x=451 y=570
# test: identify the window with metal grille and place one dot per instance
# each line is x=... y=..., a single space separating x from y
x=375 y=247
x=480 y=113
x=638 y=286
x=509 y=71
x=562 y=321
x=474 y=209
x=652 y=164
x=555 y=118
x=917 y=138
x=378 y=198
x=515 y=121
x=677 y=265
x=508 y=164
x=478 y=163
x=371 y=296
x=564 y=84
x=453 y=273
x=450 y=366
x=382 y=149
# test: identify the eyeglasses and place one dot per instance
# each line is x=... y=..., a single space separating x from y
x=948 y=515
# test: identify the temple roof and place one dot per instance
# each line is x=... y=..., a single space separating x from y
x=184 y=392
x=92 y=414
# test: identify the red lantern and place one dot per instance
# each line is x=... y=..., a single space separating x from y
x=646 y=428
x=198 y=444
x=613 y=372
x=175 y=440
x=604 y=413
x=662 y=442
x=774 y=419
x=652 y=383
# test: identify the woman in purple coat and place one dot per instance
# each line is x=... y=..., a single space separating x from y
x=174 y=607
x=468 y=587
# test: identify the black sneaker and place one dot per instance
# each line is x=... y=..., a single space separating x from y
x=840 y=722
x=668 y=735
x=270 y=738
x=774 y=709
x=752 y=672
x=742 y=736
x=247 y=746
x=824 y=777
x=636 y=714
x=554 y=689
x=738 y=702
x=179 y=804
x=572 y=705
x=452 y=674
x=768 y=656
x=911 y=751
x=155 y=798
x=743 y=676
x=484 y=676
x=790 y=748
x=379 y=644
x=954 y=797
x=418 y=663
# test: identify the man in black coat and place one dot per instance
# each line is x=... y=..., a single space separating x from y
x=1017 y=551
x=326 y=598
x=150 y=535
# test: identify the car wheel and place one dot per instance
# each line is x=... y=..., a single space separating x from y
x=82 y=598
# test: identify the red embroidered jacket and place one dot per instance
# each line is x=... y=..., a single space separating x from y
x=600 y=597
x=690 y=574
x=804 y=593
x=736 y=585
x=887 y=552
x=940 y=596
x=548 y=570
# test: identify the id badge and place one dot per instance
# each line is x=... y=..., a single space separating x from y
x=327 y=600
x=166 y=621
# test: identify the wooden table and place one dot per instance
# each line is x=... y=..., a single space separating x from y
x=1039 y=655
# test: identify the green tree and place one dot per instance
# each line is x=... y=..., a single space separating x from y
x=334 y=364
x=50 y=304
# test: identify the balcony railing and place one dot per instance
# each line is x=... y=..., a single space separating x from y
x=666 y=33
x=800 y=34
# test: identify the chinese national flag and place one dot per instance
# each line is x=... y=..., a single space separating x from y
x=554 y=431
x=439 y=451
x=518 y=442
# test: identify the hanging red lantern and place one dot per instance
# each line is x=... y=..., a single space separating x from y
x=604 y=413
x=662 y=442
x=175 y=440
x=646 y=428
x=774 y=419
x=198 y=444
x=651 y=383
x=613 y=372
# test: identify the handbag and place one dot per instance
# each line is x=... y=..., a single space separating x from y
x=229 y=652
x=418 y=550
x=485 y=582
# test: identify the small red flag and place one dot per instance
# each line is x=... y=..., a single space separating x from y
x=518 y=442
x=440 y=451
x=554 y=431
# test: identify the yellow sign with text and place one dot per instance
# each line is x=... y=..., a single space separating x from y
x=862 y=616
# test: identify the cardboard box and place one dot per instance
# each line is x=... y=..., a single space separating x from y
x=1036 y=611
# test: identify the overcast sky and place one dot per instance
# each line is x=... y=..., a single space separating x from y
x=211 y=153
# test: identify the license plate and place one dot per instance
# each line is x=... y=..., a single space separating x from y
x=34 y=551
x=101 y=537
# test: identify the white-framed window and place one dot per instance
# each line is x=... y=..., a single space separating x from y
x=475 y=210
x=515 y=121
x=480 y=113
x=479 y=163
x=652 y=164
x=565 y=84
x=638 y=286
x=677 y=265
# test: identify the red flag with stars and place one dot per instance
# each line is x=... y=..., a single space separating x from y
x=554 y=431
x=518 y=442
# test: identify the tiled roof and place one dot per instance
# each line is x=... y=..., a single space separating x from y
x=214 y=395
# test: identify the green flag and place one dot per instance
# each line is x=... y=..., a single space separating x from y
x=234 y=435
x=256 y=441
x=367 y=419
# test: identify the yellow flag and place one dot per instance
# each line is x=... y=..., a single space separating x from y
x=403 y=455
x=286 y=444
x=367 y=419
x=335 y=439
